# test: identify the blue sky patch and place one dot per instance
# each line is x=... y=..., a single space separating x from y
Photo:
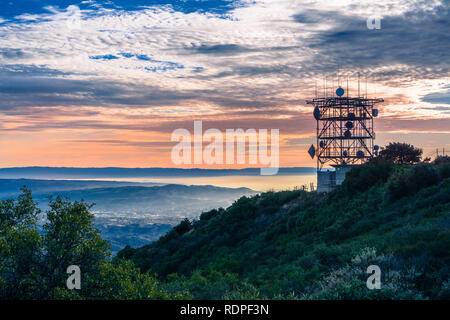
x=104 y=57
x=162 y=67
x=13 y=8
x=438 y=97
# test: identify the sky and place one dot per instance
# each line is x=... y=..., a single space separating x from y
x=107 y=85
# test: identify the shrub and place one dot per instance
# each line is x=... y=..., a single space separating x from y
x=416 y=178
x=360 y=178
x=349 y=282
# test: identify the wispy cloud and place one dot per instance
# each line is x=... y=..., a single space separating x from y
x=231 y=63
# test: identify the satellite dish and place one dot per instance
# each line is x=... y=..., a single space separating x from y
x=375 y=112
x=347 y=134
x=340 y=92
x=316 y=113
x=349 y=125
x=312 y=151
x=351 y=115
x=360 y=154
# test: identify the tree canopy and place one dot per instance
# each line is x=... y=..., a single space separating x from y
x=401 y=153
x=33 y=263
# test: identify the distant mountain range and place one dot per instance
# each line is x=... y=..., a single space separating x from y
x=164 y=202
x=93 y=173
x=11 y=187
x=128 y=212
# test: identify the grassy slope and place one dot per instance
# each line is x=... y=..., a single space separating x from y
x=285 y=243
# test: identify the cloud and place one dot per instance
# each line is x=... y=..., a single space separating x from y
x=20 y=91
x=12 y=54
x=219 y=49
x=438 y=97
x=148 y=66
x=314 y=16
x=140 y=144
x=416 y=38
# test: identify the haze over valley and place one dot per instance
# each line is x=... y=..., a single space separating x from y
x=129 y=212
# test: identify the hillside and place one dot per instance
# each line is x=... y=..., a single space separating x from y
x=297 y=244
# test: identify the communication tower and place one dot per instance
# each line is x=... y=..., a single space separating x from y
x=345 y=134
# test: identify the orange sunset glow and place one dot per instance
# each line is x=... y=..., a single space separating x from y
x=112 y=92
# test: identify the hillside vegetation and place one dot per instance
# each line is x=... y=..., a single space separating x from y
x=281 y=245
x=308 y=245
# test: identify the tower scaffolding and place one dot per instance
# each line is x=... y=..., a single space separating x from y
x=344 y=134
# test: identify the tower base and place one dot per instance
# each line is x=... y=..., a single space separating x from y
x=329 y=179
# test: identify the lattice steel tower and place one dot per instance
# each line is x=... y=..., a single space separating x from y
x=345 y=135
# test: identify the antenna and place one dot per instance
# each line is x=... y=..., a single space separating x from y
x=339 y=79
x=366 y=86
x=359 y=81
x=315 y=88
x=347 y=86
x=324 y=94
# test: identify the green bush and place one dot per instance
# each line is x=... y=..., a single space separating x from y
x=360 y=178
x=415 y=178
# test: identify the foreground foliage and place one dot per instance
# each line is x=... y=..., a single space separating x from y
x=279 y=245
x=307 y=245
x=33 y=264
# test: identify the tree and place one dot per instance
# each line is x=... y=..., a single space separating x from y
x=401 y=153
x=33 y=263
x=183 y=227
x=70 y=238
x=20 y=242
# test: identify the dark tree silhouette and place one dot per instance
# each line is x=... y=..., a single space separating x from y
x=442 y=160
x=401 y=153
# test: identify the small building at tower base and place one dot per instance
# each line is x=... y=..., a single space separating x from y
x=328 y=179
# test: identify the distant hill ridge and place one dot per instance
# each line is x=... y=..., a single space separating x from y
x=55 y=172
x=127 y=212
